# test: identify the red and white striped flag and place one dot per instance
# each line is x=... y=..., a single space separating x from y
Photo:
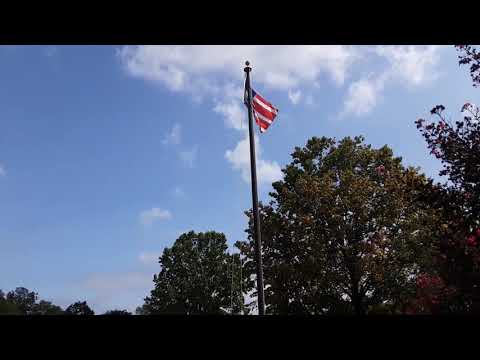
x=263 y=111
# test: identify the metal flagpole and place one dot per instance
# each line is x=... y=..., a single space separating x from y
x=256 y=215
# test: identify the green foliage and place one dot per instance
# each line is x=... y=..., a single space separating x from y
x=79 y=308
x=47 y=308
x=195 y=278
x=342 y=234
x=23 y=299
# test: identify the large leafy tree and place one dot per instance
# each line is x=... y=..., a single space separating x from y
x=195 y=278
x=79 y=308
x=23 y=299
x=342 y=234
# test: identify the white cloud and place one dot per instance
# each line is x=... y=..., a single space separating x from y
x=174 y=137
x=362 y=96
x=147 y=217
x=148 y=258
x=239 y=158
x=233 y=113
x=294 y=96
x=188 y=157
x=414 y=65
x=408 y=65
x=182 y=68
x=3 y=172
x=214 y=71
x=268 y=171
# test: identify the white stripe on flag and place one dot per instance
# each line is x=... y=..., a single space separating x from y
x=265 y=106
x=267 y=120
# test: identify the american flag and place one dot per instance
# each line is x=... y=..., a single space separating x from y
x=263 y=111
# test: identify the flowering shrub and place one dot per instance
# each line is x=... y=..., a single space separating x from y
x=457 y=146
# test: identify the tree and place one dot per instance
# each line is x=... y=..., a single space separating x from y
x=457 y=146
x=79 y=308
x=470 y=56
x=342 y=234
x=23 y=299
x=141 y=310
x=24 y=302
x=46 y=308
x=118 y=312
x=7 y=308
x=195 y=278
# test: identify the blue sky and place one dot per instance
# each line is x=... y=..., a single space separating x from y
x=108 y=153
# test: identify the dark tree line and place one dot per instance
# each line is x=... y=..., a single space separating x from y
x=22 y=301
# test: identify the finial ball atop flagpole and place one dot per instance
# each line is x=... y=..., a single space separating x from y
x=247 y=68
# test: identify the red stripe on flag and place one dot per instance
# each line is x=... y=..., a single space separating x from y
x=261 y=123
x=260 y=109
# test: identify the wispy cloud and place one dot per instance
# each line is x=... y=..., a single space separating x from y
x=233 y=114
x=411 y=66
x=174 y=136
x=148 y=258
x=112 y=282
x=3 y=172
x=239 y=158
x=294 y=96
x=106 y=291
x=178 y=192
x=188 y=157
x=147 y=217
x=362 y=96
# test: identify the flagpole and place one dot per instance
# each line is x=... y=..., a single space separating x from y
x=256 y=215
